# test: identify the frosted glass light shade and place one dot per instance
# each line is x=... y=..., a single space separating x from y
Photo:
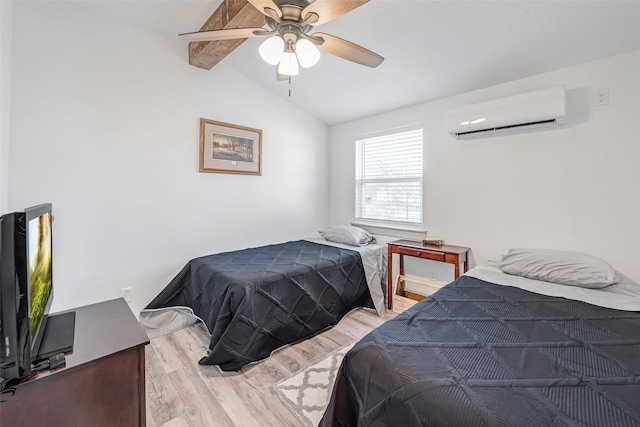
x=289 y=64
x=271 y=50
x=308 y=53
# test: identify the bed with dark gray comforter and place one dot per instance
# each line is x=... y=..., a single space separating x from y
x=482 y=354
x=254 y=301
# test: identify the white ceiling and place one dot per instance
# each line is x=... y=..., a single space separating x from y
x=432 y=49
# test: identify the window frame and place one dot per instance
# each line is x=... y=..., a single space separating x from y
x=359 y=181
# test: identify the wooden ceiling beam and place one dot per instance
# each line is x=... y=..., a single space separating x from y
x=230 y=14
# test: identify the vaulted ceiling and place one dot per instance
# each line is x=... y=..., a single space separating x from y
x=432 y=49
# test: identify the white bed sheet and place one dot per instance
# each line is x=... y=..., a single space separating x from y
x=624 y=295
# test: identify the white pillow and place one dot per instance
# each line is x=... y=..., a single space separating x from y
x=347 y=235
x=564 y=267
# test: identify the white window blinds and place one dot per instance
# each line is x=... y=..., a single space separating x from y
x=389 y=178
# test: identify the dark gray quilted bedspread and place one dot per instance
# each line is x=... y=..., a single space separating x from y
x=256 y=300
x=479 y=354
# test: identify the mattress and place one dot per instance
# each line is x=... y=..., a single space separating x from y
x=477 y=353
x=256 y=300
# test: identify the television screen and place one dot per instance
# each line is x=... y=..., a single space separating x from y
x=38 y=268
x=40 y=279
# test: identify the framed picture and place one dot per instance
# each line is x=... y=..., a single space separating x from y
x=227 y=148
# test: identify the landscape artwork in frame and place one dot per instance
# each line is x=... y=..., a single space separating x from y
x=227 y=148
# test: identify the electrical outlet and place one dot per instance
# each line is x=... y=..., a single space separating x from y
x=601 y=97
x=434 y=275
x=126 y=294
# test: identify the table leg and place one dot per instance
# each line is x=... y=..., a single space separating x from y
x=389 y=272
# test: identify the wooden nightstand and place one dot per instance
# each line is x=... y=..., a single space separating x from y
x=446 y=253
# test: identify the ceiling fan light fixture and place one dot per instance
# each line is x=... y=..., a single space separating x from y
x=287 y=44
x=289 y=64
x=271 y=50
x=308 y=53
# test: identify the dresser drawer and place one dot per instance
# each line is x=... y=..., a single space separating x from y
x=422 y=253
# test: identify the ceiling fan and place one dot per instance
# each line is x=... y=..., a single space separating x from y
x=289 y=45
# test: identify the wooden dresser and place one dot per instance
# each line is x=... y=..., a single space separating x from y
x=103 y=382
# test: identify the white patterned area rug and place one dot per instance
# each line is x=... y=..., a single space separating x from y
x=307 y=392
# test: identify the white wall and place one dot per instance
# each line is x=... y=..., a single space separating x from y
x=6 y=24
x=105 y=125
x=575 y=188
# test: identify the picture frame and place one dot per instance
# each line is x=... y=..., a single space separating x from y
x=229 y=148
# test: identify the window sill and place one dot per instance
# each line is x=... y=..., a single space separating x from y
x=418 y=229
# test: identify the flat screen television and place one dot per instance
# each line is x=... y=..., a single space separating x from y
x=26 y=287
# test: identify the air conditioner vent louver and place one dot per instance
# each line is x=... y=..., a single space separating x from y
x=539 y=124
x=519 y=113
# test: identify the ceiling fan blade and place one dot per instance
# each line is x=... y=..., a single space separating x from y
x=261 y=5
x=227 y=34
x=328 y=10
x=347 y=50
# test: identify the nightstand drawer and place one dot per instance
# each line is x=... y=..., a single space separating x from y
x=422 y=253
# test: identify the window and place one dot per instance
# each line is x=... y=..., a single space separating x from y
x=389 y=179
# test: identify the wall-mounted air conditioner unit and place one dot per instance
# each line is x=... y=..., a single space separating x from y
x=518 y=113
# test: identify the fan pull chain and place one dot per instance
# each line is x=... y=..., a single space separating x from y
x=289 y=86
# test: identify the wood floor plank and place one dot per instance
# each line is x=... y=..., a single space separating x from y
x=181 y=393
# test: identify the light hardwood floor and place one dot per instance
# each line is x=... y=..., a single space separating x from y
x=182 y=393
